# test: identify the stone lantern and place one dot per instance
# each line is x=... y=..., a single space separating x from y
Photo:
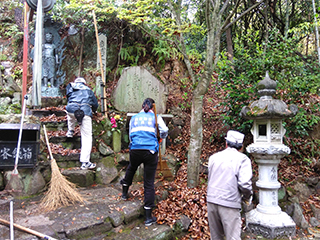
x=267 y=148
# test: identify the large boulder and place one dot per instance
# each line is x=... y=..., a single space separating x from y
x=33 y=181
x=301 y=190
x=298 y=217
x=106 y=170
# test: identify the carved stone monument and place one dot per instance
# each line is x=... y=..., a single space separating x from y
x=103 y=49
x=134 y=86
x=267 y=219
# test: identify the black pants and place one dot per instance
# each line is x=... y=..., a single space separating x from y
x=150 y=162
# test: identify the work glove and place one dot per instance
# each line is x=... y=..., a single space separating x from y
x=249 y=201
x=248 y=206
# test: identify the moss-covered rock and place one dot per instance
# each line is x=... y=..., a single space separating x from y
x=106 y=170
x=82 y=178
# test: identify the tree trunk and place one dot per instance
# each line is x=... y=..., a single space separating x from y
x=316 y=28
x=229 y=43
x=266 y=31
x=287 y=20
x=195 y=145
x=194 y=152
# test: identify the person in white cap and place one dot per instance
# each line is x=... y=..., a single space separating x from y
x=229 y=183
x=81 y=103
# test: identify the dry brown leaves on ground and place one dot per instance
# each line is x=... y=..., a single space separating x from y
x=58 y=149
x=182 y=200
x=53 y=118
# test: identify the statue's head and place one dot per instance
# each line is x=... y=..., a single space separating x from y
x=49 y=37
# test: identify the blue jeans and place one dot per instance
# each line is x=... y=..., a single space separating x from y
x=150 y=162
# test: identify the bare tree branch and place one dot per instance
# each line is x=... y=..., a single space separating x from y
x=233 y=12
x=226 y=25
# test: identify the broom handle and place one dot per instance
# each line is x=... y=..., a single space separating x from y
x=158 y=134
x=20 y=134
x=47 y=141
x=28 y=230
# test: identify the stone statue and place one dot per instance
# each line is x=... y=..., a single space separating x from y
x=50 y=62
x=52 y=58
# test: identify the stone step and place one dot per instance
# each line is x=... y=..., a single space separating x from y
x=72 y=160
x=45 y=113
x=103 y=215
x=56 y=126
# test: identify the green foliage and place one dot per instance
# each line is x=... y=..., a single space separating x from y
x=17 y=73
x=305 y=149
x=163 y=50
x=119 y=69
x=8 y=27
x=3 y=57
x=302 y=123
x=185 y=105
x=157 y=16
x=240 y=93
x=196 y=45
x=79 y=12
x=294 y=73
x=10 y=109
x=132 y=53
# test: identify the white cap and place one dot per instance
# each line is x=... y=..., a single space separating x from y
x=80 y=80
x=235 y=137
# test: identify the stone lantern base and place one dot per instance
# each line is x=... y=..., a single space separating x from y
x=270 y=225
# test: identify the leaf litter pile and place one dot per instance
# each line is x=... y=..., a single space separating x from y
x=182 y=200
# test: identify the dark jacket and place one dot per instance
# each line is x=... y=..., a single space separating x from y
x=81 y=96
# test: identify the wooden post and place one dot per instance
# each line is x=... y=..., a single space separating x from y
x=103 y=98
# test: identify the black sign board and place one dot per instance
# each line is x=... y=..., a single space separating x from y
x=29 y=147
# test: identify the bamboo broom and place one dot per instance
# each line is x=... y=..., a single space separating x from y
x=61 y=192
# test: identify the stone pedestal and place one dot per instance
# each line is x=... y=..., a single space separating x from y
x=270 y=225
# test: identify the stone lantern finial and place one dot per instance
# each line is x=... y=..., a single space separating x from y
x=267 y=87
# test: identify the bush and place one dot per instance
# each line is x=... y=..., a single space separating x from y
x=297 y=77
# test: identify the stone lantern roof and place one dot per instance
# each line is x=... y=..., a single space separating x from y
x=267 y=107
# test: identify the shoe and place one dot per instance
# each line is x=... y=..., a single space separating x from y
x=149 y=218
x=70 y=133
x=125 y=192
x=88 y=165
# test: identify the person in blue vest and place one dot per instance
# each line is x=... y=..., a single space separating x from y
x=81 y=103
x=144 y=148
